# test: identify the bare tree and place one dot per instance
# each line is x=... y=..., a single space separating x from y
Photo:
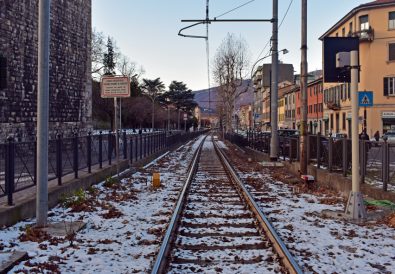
x=98 y=49
x=230 y=64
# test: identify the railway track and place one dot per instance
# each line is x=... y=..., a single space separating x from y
x=217 y=227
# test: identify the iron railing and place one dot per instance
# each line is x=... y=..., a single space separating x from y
x=76 y=155
x=377 y=159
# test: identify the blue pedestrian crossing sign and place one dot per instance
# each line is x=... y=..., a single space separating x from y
x=365 y=98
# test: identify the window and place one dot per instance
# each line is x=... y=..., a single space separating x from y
x=364 y=22
x=344 y=120
x=351 y=30
x=391 y=52
x=3 y=72
x=391 y=20
x=343 y=32
x=389 y=86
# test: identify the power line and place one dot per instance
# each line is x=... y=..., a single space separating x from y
x=238 y=7
x=279 y=26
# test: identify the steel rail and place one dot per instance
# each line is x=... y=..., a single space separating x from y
x=164 y=252
x=286 y=257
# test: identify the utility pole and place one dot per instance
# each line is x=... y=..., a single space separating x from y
x=355 y=208
x=303 y=90
x=274 y=86
x=43 y=112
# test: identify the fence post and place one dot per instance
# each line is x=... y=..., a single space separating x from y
x=308 y=148
x=109 y=152
x=344 y=157
x=141 y=146
x=10 y=170
x=330 y=153
x=89 y=152
x=35 y=161
x=75 y=154
x=131 y=149
x=362 y=162
x=125 y=145
x=59 y=165
x=318 y=150
x=100 y=149
x=385 y=165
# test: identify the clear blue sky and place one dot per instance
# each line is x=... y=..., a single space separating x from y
x=146 y=31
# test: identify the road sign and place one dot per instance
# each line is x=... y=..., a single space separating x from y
x=332 y=46
x=115 y=86
x=365 y=98
x=185 y=117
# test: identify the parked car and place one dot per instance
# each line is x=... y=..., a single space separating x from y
x=288 y=132
x=390 y=135
x=338 y=136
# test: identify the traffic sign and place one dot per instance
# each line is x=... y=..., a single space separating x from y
x=365 y=98
x=115 y=86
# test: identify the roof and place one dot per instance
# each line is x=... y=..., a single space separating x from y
x=367 y=6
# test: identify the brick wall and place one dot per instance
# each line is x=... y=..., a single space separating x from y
x=70 y=84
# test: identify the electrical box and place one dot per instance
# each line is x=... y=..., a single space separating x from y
x=156 y=180
x=342 y=59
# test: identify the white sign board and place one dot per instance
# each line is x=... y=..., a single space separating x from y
x=115 y=86
x=185 y=117
x=388 y=114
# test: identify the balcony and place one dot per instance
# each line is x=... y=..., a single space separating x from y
x=333 y=105
x=364 y=35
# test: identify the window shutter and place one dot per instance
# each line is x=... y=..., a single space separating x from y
x=391 y=52
x=3 y=73
x=385 y=86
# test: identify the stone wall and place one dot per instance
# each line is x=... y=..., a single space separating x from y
x=70 y=78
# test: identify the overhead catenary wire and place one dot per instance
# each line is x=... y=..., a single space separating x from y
x=279 y=26
x=236 y=8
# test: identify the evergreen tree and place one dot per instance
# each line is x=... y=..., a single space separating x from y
x=109 y=59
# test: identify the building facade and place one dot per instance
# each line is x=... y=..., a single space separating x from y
x=374 y=24
x=70 y=67
x=262 y=83
x=315 y=119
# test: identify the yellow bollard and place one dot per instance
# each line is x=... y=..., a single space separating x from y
x=156 y=180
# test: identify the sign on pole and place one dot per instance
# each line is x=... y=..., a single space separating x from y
x=185 y=117
x=365 y=98
x=115 y=86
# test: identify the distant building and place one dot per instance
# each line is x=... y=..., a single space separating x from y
x=374 y=24
x=245 y=117
x=262 y=83
x=70 y=67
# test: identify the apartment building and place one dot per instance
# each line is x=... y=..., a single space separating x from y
x=374 y=24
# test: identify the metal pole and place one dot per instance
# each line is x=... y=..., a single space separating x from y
x=120 y=115
x=43 y=112
x=116 y=133
x=168 y=118
x=303 y=90
x=274 y=86
x=355 y=208
x=178 y=119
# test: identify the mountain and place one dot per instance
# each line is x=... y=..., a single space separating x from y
x=246 y=98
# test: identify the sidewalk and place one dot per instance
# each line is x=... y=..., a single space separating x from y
x=24 y=202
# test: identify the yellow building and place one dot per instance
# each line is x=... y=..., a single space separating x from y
x=374 y=24
x=281 y=113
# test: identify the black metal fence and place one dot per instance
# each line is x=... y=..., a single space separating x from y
x=377 y=159
x=76 y=155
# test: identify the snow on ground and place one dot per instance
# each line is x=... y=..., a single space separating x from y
x=125 y=222
x=323 y=245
